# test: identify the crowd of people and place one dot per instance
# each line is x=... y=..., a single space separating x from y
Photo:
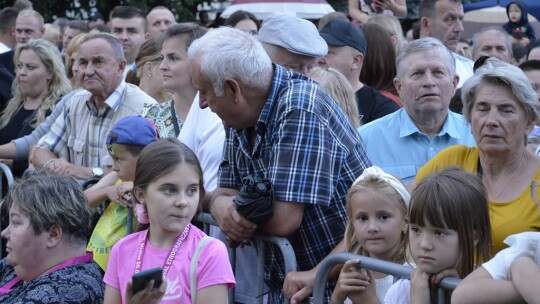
x=339 y=135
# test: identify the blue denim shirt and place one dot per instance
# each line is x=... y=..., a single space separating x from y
x=395 y=144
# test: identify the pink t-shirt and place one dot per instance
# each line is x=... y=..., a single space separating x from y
x=214 y=266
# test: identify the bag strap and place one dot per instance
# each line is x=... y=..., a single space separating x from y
x=193 y=267
x=174 y=119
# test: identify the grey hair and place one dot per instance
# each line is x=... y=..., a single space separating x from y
x=53 y=200
x=500 y=31
x=497 y=72
x=425 y=44
x=115 y=44
x=231 y=53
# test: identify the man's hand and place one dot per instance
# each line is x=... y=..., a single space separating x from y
x=61 y=166
x=234 y=226
x=298 y=285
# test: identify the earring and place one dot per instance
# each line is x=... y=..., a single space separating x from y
x=149 y=76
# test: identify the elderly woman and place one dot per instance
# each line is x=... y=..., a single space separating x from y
x=49 y=222
x=502 y=108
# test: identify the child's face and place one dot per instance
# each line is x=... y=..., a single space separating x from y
x=433 y=249
x=172 y=200
x=123 y=161
x=378 y=223
x=514 y=13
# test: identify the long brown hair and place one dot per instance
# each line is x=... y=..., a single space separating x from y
x=379 y=68
x=457 y=200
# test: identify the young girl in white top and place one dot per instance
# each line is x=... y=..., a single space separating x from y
x=168 y=183
x=512 y=276
x=376 y=226
x=449 y=233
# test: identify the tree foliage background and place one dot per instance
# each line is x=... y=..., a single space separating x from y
x=185 y=10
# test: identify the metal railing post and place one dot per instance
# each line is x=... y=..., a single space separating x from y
x=284 y=245
x=397 y=270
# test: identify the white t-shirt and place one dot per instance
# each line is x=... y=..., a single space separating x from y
x=521 y=244
x=204 y=134
x=399 y=293
x=464 y=68
x=382 y=285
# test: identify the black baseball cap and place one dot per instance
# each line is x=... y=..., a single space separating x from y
x=94 y=16
x=340 y=32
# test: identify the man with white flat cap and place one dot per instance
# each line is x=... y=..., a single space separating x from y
x=292 y=42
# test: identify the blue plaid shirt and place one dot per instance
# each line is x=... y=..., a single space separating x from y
x=310 y=152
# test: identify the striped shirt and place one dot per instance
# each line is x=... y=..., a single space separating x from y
x=79 y=133
x=310 y=152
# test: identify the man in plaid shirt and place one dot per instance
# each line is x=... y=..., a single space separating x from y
x=283 y=127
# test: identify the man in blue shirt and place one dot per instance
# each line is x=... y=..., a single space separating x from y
x=284 y=127
x=402 y=142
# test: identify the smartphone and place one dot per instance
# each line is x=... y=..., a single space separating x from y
x=141 y=279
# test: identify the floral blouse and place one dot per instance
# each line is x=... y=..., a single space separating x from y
x=161 y=115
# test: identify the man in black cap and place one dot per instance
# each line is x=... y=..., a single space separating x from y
x=94 y=19
x=346 y=51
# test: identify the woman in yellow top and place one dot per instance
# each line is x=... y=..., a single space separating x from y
x=502 y=108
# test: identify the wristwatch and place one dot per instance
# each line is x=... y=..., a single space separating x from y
x=97 y=172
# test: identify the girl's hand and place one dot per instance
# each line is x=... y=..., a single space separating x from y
x=351 y=282
x=420 y=287
x=147 y=295
x=436 y=278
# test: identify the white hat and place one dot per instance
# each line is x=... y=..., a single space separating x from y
x=294 y=34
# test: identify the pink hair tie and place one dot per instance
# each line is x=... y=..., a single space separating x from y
x=142 y=214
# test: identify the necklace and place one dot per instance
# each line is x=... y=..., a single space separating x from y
x=512 y=178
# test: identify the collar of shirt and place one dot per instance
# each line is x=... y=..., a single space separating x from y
x=113 y=101
x=408 y=127
x=279 y=81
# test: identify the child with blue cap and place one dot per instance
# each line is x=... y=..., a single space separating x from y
x=124 y=143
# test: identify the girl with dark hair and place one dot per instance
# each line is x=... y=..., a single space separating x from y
x=169 y=185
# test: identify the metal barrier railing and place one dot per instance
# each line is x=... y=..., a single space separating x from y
x=5 y=171
x=283 y=244
x=397 y=270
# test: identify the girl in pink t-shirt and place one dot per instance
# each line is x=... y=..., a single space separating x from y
x=169 y=186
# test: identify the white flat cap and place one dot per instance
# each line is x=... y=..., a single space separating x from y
x=294 y=34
